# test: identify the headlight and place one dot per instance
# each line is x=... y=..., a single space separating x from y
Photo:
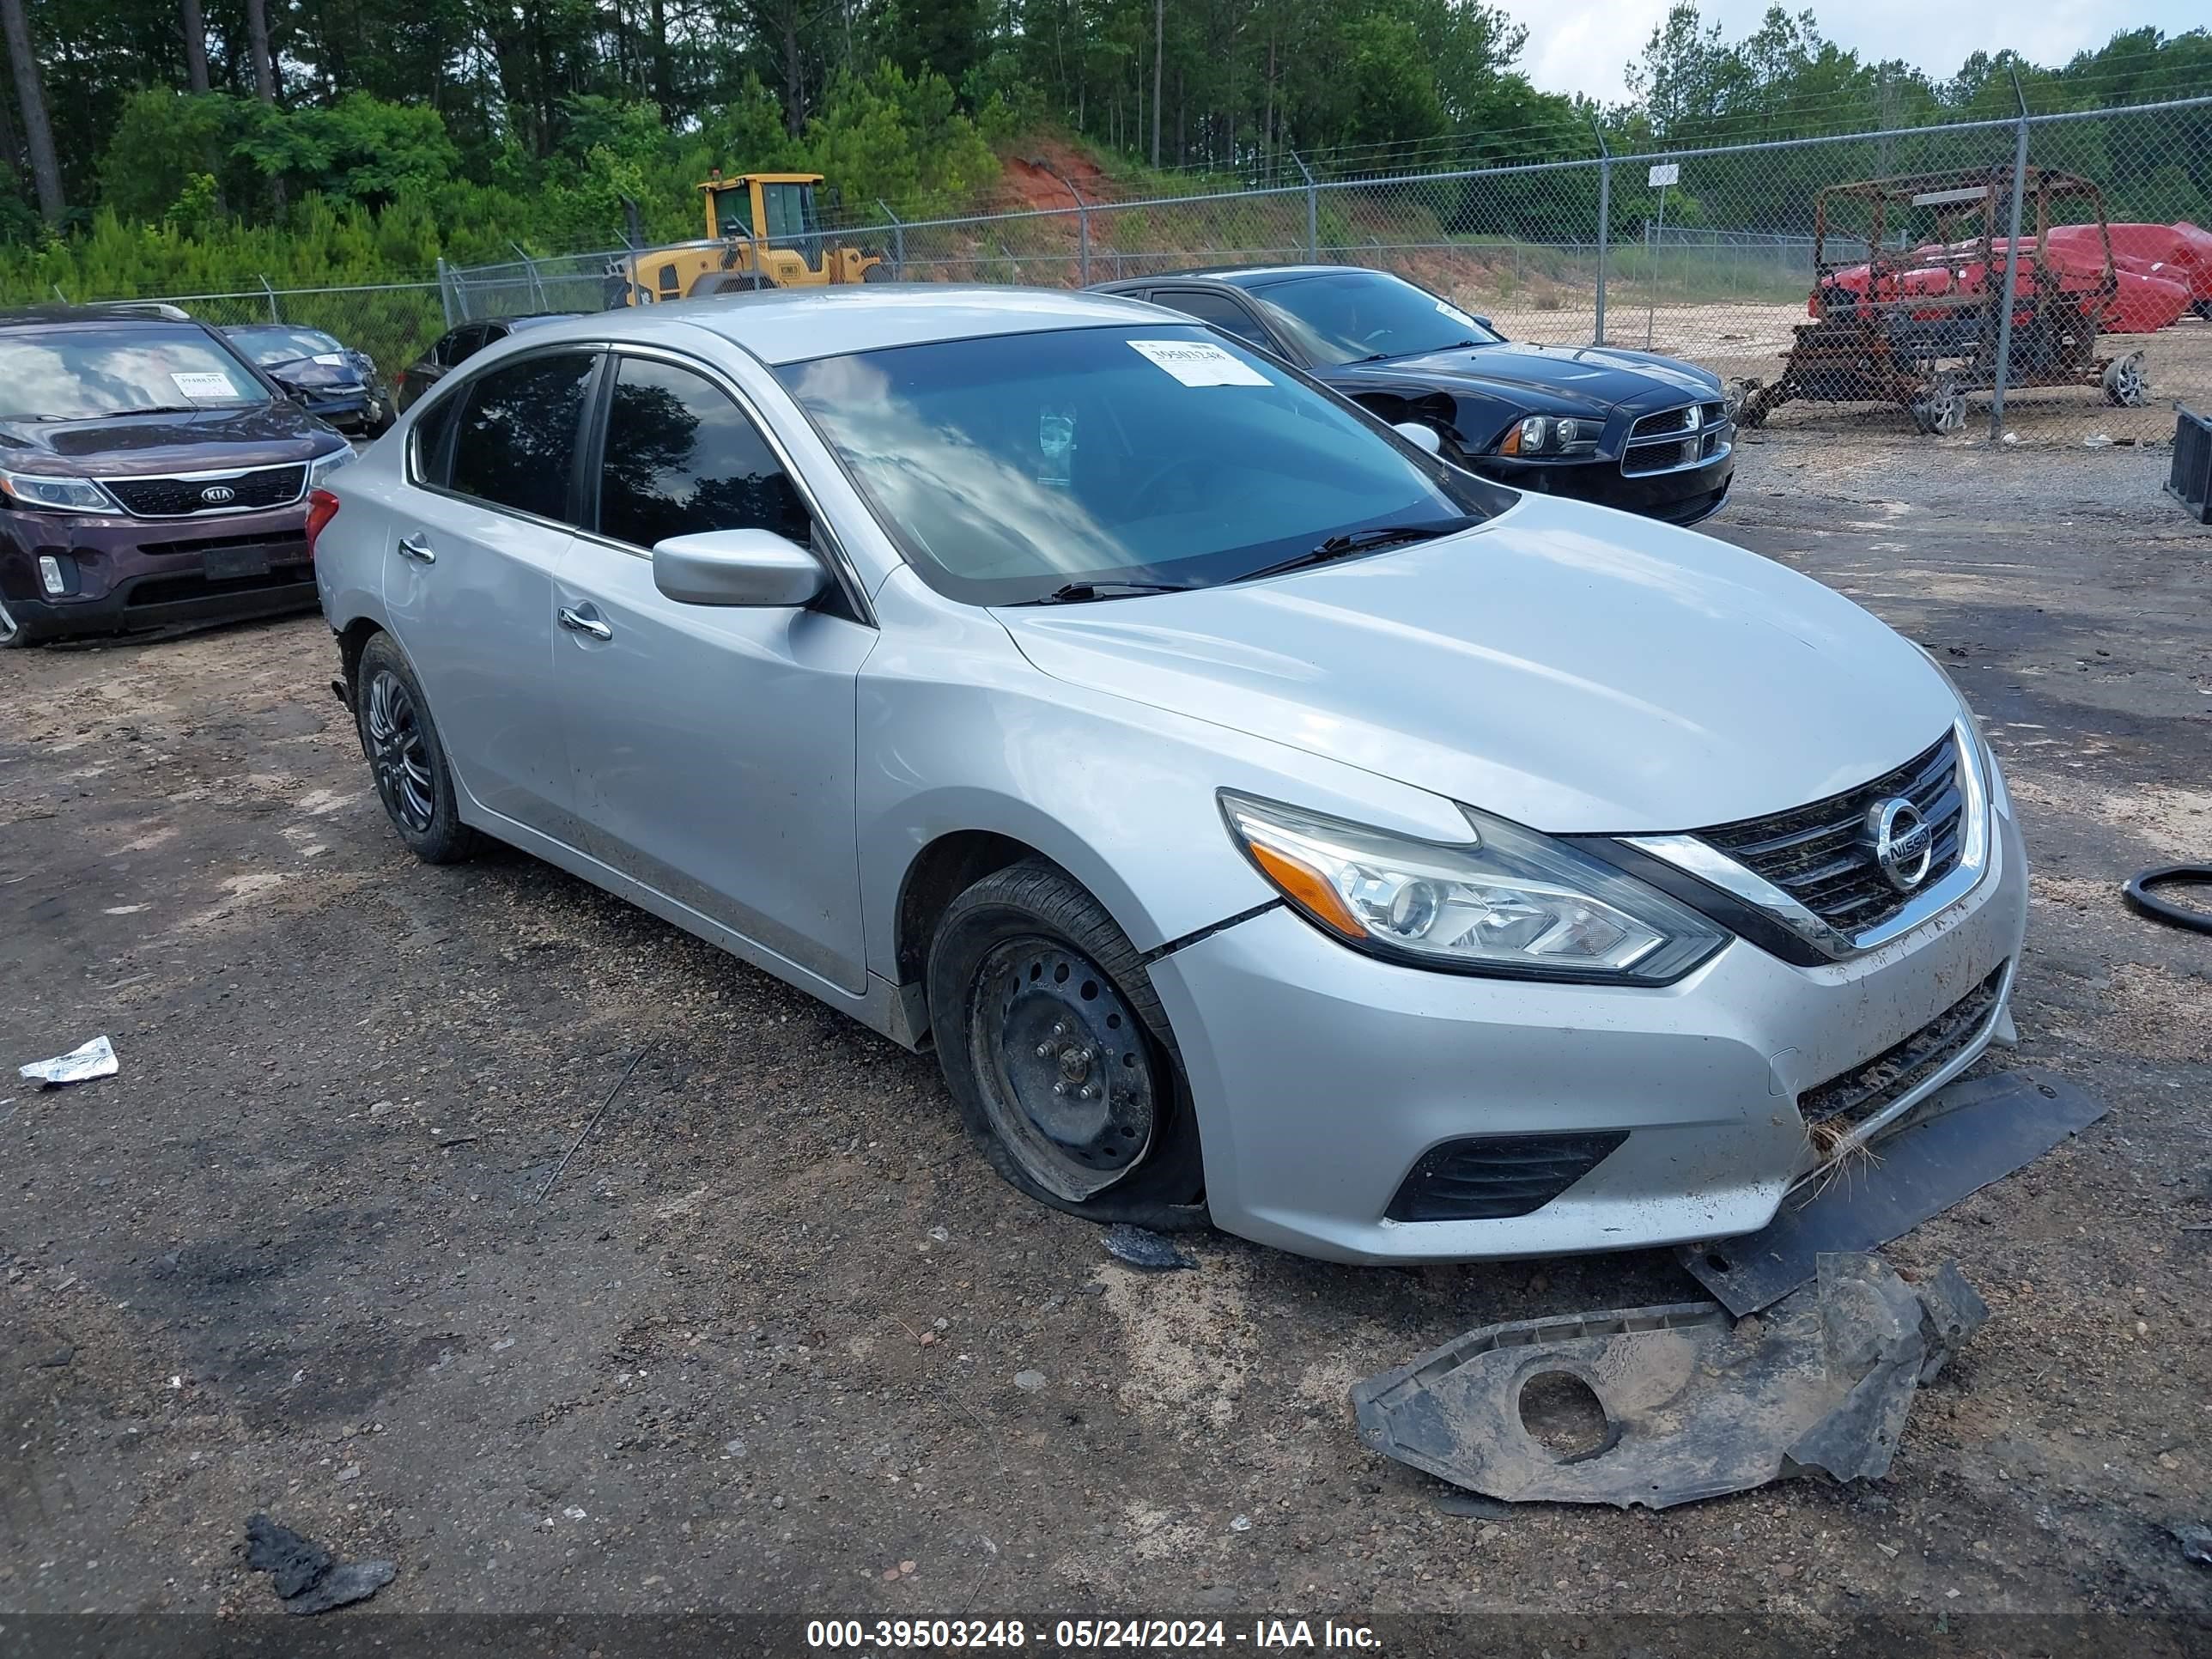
x=323 y=465
x=1544 y=435
x=1508 y=902
x=57 y=494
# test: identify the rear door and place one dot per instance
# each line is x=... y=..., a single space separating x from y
x=488 y=513
x=712 y=746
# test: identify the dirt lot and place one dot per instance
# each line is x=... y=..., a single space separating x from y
x=757 y=1351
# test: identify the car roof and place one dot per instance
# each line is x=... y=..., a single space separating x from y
x=791 y=325
x=100 y=316
x=1236 y=275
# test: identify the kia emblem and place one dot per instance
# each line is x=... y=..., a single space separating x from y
x=216 y=494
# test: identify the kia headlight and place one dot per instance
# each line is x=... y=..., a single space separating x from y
x=55 y=495
x=1507 y=901
x=323 y=465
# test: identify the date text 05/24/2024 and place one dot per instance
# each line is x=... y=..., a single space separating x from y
x=1087 y=1635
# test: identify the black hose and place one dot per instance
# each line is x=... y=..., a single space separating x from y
x=2145 y=902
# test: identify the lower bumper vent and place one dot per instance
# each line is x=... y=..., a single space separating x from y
x=1490 y=1178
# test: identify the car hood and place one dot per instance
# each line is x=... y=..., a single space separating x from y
x=1582 y=379
x=1572 y=668
x=307 y=373
x=204 y=439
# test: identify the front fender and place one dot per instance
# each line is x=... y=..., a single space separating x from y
x=959 y=732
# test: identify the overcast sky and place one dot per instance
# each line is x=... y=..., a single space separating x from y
x=1582 y=45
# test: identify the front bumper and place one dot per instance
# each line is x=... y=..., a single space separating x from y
x=121 y=574
x=1686 y=496
x=1322 y=1077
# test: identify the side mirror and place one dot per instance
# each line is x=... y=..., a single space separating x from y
x=1485 y=321
x=737 y=566
x=1422 y=437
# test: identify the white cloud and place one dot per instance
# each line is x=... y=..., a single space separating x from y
x=1583 y=46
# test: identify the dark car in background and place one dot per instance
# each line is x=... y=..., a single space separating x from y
x=457 y=345
x=1628 y=429
x=328 y=379
x=150 y=474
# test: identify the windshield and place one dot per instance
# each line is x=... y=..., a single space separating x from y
x=272 y=345
x=1361 y=316
x=1011 y=466
x=73 y=372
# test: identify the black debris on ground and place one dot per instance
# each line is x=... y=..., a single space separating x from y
x=307 y=1578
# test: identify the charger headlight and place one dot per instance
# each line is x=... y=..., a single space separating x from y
x=1508 y=902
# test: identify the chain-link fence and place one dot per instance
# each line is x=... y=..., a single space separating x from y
x=391 y=321
x=1830 y=309
x=1749 y=259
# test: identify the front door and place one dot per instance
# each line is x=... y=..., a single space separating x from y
x=712 y=746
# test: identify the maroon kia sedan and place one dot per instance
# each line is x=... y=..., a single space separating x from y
x=149 y=475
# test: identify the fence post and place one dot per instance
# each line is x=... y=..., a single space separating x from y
x=531 y=266
x=1313 y=211
x=898 y=240
x=1082 y=214
x=263 y=279
x=2012 y=268
x=1604 y=223
x=446 y=288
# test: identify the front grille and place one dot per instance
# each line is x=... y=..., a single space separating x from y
x=177 y=498
x=1854 y=1096
x=1673 y=438
x=1489 y=1177
x=1822 y=856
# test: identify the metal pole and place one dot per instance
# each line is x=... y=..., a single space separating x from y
x=448 y=291
x=898 y=240
x=1313 y=211
x=271 y=293
x=1604 y=224
x=531 y=266
x=2012 y=269
x=1651 y=305
x=1082 y=213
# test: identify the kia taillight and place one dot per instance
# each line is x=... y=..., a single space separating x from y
x=322 y=507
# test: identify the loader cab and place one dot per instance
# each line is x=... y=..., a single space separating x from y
x=775 y=209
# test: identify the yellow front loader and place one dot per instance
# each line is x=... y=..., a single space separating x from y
x=764 y=231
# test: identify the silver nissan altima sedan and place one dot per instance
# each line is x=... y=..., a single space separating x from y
x=1263 y=821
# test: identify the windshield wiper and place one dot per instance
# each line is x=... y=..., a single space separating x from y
x=1083 y=592
x=1358 y=541
x=162 y=409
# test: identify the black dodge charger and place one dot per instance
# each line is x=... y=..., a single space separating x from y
x=1646 y=434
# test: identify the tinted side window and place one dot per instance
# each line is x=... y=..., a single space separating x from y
x=681 y=456
x=1218 y=309
x=517 y=438
x=433 y=455
x=458 y=343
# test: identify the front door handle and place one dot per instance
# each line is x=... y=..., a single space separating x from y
x=577 y=622
x=418 y=548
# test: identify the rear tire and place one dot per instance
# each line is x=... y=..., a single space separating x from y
x=1053 y=1041
x=406 y=757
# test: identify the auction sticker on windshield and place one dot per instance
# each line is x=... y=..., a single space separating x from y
x=1196 y=363
x=196 y=384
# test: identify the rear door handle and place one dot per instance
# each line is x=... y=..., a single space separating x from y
x=578 y=622
x=418 y=548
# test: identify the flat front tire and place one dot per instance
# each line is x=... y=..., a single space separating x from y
x=406 y=757
x=1057 y=1050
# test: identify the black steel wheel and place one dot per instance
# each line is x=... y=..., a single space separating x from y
x=1052 y=1040
x=405 y=758
x=1067 y=1079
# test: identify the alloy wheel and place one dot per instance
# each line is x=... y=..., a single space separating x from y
x=1067 y=1077
x=399 y=753
x=8 y=625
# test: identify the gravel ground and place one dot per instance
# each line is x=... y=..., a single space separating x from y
x=777 y=1341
